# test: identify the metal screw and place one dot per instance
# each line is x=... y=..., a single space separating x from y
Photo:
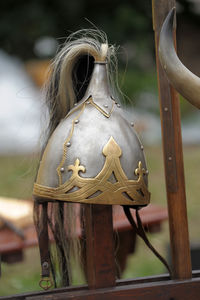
x=87 y=102
x=45 y=265
x=147 y=172
x=166 y=109
x=62 y=170
x=118 y=105
x=132 y=124
x=142 y=147
x=75 y=104
x=76 y=121
x=68 y=144
x=169 y=158
x=105 y=105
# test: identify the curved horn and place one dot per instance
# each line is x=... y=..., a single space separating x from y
x=184 y=81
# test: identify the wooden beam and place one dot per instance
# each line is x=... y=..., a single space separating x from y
x=163 y=290
x=173 y=155
x=82 y=289
x=100 y=260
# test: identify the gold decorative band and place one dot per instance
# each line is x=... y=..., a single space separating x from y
x=100 y=190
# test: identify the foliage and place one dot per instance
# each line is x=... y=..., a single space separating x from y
x=23 y=22
x=126 y=23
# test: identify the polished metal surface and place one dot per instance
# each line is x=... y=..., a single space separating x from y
x=87 y=143
x=87 y=129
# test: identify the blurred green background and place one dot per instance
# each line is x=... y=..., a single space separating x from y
x=24 y=25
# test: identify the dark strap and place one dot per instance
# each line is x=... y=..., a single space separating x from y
x=139 y=229
x=43 y=240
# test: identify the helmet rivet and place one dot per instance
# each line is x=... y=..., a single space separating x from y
x=76 y=121
x=68 y=144
x=169 y=158
x=45 y=265
x=62 y=170
x=166 y=109
x=142 y=147
x=118 y=105
x=105 y=105
x=132 y=124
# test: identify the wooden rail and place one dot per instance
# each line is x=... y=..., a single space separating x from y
x=173 y=155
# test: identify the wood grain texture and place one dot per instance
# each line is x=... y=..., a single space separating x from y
x=100 y=260
x=121 y=284
x=173 y=156
x=164 y=290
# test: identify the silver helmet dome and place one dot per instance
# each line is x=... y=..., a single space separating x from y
x=94 y=155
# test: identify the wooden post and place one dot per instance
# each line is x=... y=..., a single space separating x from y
x=100 y=260
x=173 y=156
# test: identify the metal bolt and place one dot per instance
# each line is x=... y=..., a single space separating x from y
x=105 y=105
x=87 y=102
x=166 y=109
x=76 y=121
x=147 y=172
x=75 y=104
x=132 y=124
x=68 y=144
x=118 y=105
x=170 y=158
x=62 y=170
x=45 y=265
x=142 y=147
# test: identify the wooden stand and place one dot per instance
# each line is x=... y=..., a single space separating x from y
x=173 y=155
x=100 y=259
x=98 y=219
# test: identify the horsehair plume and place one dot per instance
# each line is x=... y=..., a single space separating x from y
x=61 y=94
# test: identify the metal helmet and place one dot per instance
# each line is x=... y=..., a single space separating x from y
x=93 y=155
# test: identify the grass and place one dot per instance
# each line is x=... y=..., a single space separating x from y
x=21 y=277
x=16 y=180
x=17 y=175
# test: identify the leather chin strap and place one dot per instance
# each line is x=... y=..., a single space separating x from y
x=139 y=229
x=43 y=240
